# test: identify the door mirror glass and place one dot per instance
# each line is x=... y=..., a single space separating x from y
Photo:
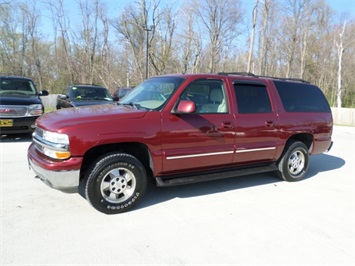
x=185 y=107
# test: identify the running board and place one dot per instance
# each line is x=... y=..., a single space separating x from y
x=176 y=181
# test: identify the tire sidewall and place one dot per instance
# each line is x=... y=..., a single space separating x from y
x=101 y=168
x=283 y=167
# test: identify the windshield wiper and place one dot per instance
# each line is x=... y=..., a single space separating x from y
x=135 y=105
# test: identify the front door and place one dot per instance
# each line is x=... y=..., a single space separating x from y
x=202 y=140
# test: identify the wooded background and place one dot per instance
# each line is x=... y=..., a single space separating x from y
x=303 y=39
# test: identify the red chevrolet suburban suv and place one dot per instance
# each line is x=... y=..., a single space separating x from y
x=180 y=129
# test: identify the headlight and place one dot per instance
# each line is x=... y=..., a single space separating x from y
x=56 y=137
x=35 y=109
x=52 y=144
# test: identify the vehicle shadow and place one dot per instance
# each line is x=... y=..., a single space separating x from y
x=322 y=163
x=16 y=138
x=156 y=195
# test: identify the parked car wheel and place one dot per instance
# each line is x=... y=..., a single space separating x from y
x=115 y=183
x=294 y=163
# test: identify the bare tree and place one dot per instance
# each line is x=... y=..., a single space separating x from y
x=251 y=47
x=340 y=48
x=161 y=52
x=219 y=23
x=190 y=40
x=290 y=34
x=133 y=26
x=32 y=54
x=87 y=40
x=303 y=41
x=264 y=39
x=62 y=43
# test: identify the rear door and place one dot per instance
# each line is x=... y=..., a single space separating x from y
x=257 y=123
x=202 y=140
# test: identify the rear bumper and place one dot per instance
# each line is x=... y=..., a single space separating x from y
x=330 y=146
x=63 y=175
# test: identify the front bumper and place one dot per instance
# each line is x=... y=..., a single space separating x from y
x=20 y=125
x=62 y=175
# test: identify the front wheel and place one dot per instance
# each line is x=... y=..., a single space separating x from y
x=115 y=183
x=294 y=163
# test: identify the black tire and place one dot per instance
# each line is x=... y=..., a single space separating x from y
x=115 y=183
x=294 y=163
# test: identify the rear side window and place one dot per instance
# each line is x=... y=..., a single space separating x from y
x=252 y=98
x=301 y=97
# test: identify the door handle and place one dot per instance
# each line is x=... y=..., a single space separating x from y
x=227 y=125
x=269 y=123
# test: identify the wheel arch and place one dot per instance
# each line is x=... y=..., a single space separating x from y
x=136 y=149
x=305 y=138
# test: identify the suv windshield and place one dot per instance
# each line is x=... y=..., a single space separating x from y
x=12 y=86
x=152 y=93
x=90 y=93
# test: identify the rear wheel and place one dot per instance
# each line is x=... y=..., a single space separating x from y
x=115 y=183
x=294 y=163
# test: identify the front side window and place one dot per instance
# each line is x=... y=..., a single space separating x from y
x=252 y=99
x=152 y=93
x=209 y=96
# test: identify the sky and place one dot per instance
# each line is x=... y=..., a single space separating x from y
x=343 y=8
x=340 y=6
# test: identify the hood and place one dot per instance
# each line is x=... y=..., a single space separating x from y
x=98 y=114
x=90 y=102
x=19 y=99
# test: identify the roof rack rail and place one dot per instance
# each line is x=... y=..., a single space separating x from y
x=237 y=73
x=248 y=74
x=285 y=79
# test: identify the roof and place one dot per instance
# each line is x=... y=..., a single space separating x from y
x=237 y=74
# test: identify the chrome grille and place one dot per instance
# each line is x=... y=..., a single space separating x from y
x=38 y=135
x=38 y=132
x=11 y=111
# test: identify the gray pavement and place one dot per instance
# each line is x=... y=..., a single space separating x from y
x=253 y=220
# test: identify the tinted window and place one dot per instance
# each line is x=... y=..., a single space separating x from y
x=301 y=97
x=252 y=98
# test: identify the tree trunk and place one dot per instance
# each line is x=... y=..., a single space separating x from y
x=340 y=58
x=251 y=47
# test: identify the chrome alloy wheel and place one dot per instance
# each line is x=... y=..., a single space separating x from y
x=296 y=162
x=118 y=185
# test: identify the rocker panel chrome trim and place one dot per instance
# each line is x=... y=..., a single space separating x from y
x=198 y=155
x=259 y=149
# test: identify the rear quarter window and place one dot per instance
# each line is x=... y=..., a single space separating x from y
x=301 y=97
